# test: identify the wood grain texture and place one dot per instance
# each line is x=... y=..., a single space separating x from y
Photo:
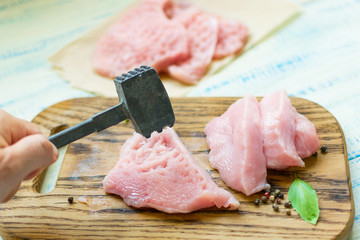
x=49 y=216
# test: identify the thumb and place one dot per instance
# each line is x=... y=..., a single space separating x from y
x=12 y=193
x=31 y=153
x=21 y=159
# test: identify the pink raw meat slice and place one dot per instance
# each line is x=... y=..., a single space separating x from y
x=235 y=140
x=306 y=140
x=160 y=173
x=278 y=120
x=143 y=36
x=185 y=13
x=231 y=38
x=202 y=32
x=232 y=35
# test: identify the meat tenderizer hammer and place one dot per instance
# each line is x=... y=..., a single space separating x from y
x=143 y=100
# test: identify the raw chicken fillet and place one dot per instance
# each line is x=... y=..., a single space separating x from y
x=160 y=173
x=278 y=120
x=143 y=36
x=171 y=36
x=235 y=140
x=202 y=32
x=251 y=137
x=231 y=38
x=306 y=139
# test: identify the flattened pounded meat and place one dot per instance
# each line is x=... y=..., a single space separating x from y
x=231 y=38
x=161 y=173
x=202 y=32
x=172 y=37
x=143 y=36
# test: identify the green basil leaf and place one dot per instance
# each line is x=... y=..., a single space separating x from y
x=304 y=200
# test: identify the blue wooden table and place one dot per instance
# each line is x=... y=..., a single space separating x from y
x=316 y=56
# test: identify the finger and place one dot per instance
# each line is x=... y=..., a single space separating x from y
x=23 y=158
x=12 y=193
x=31 y=153
x=22 y=128
x=13 y=129
x=33 y=174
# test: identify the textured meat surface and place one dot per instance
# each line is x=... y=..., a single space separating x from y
x=202 y=32
x=235 y=141
x=306 y=139
x=278 y=121
x=143 y=36
x=231 y=38
x=160 y=173
x=171 y=36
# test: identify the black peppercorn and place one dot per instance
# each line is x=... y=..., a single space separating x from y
x=276 y=207
x=287 y=204
x=323 y=149
x=70 y=200
x=315 y=154
x=281 y=195
x=277 y=192
x=264 y=199
x=288 y=212
x=256 y=201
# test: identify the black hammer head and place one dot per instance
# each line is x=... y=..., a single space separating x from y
x=146 y=102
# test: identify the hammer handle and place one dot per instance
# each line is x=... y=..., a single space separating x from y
x=96 y=123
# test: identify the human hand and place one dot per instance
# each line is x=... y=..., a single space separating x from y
x=24 y=152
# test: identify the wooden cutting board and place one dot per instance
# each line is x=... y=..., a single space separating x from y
x=32 y=215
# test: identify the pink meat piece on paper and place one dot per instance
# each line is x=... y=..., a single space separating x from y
x=278 y=121
x=306 y=139
x=143 y=36
x=232 y=38
x=161 y=173
x=202 y=30
x=236 y=150
x=171 y=36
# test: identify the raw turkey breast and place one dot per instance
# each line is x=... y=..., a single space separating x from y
x=174 y=37
x=306 y=139
x=160 y=173
x=251 y=137
x=231 y=38
x=235 y=140
x=143 y=36
x=202 y=33
x=278 y=121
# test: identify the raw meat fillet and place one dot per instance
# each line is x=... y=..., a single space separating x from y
x=173 y=37
x=231 y=38
x=306 y=140
x=278 y=121
x=160 y=173
x=202 y=31
x=143 y=36
x=235 y=141
x=185 y=13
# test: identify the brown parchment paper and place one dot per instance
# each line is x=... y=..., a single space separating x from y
x=262 y=17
